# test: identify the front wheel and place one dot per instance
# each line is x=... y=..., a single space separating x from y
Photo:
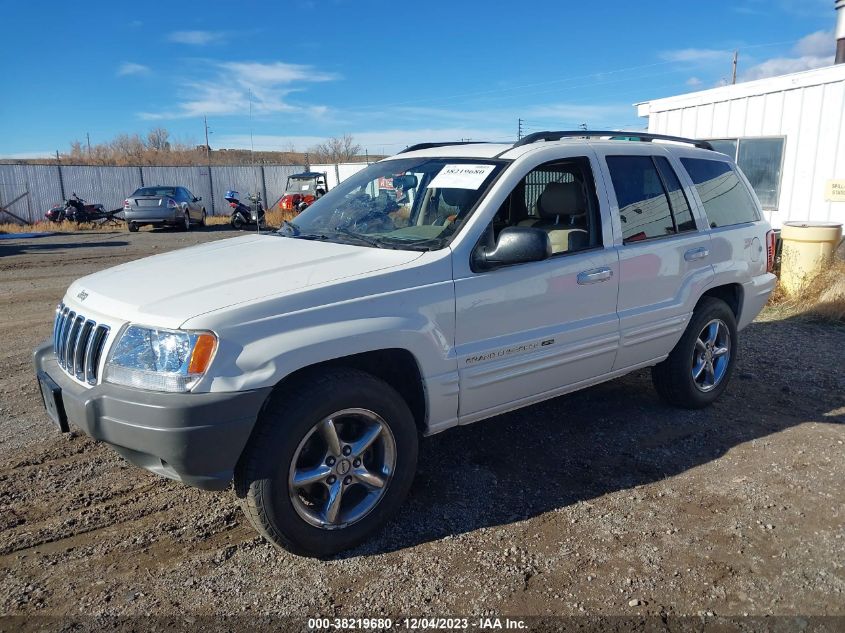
x=186 y=226
x=699 y=368
x=331 y=459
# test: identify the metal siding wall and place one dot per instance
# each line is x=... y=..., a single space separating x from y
x=276 y=179
x=194 y=178
x=737 y=111
x=754 y=116
x=108 y=186
x=331 y=175
x=243 y=179
x=42 y=182
x=350 y=169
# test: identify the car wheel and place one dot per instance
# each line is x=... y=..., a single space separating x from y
x=203 y=222
x=331 y=459
x=187 y=224
x=237 y=222
x=133 y=227
x=699 y=368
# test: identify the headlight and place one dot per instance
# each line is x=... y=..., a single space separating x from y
x=161 y=360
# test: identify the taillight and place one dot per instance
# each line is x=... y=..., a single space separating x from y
x=234 y=205
x=126 y=203
x=171 y=203
x=771 y=244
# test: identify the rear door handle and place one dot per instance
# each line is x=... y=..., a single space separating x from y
x=594 y=276
x=696 y=253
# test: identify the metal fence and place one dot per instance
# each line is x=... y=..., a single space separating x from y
x=27 y=191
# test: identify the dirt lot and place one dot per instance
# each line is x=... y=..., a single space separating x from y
x=603 y=502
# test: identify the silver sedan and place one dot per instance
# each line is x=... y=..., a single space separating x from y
x=163 y=206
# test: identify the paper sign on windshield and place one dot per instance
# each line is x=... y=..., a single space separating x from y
x=461 y=176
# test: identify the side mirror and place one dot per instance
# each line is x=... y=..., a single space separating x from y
x=197 y=199
x=516 y=245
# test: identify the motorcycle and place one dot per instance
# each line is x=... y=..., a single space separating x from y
x=76 y=210
x=243 y=215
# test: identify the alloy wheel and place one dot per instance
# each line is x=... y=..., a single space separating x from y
x=342 y=468
x=711 y=355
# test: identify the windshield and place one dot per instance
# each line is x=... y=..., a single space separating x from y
x=412 y=203
x=155 y=191
x=301 y=185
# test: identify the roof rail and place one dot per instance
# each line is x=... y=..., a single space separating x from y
x=413 y=148
x=628 y=136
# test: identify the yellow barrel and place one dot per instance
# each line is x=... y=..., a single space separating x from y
x=806 y=248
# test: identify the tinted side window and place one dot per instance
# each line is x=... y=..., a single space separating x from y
x=725 y=198
x=643 y=204
x=677 y=197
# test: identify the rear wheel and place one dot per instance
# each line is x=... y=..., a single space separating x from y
x=203 y=222
x=699 y=368
x=133 y=227
x=332 y=458
x=187 y=223
x=237 y=222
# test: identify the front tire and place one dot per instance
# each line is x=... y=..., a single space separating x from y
x=331 y=459
x=700 y=366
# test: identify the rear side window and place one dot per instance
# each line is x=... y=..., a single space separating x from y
x=677 y=197
x=726 y=199
x=644 y=208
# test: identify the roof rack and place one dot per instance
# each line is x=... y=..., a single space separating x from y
x=413 y=148
x=628 y=136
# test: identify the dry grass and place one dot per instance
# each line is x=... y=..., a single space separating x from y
x=45 y=226
x=274 y=217
x=823 y=296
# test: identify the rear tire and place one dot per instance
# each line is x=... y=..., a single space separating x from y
x=133 y=227
x=203 y=222
x=291 y=441
x=187 y=224
x=698 y=370
x=237 y=222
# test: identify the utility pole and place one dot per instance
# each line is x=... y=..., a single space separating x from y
x=519 y=129
x=207 y=148
x=88 y=139
x=733 y=72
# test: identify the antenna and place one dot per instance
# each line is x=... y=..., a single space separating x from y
x=256 y=203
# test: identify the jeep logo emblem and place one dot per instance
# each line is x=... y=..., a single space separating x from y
x=82 y=296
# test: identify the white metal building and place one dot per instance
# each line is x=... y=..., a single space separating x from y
x=787 y=134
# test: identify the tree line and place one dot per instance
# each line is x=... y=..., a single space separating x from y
x=157 y=147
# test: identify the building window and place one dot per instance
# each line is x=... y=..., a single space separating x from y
x=760 y=159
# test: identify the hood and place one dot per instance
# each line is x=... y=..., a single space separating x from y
x=165 y=290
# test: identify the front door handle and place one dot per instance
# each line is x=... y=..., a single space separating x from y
x=696 y=253
x=594 y=276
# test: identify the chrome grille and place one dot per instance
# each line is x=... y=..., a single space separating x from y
x=78 y=343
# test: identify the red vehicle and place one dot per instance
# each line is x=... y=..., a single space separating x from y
x=302 y=190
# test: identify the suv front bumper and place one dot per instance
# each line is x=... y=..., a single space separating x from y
x=195 y=438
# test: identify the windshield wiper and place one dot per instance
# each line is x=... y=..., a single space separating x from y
x=371 y=241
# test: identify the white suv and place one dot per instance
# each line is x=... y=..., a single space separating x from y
x=442 y=286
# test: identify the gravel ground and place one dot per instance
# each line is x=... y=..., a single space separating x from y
x=604 y=502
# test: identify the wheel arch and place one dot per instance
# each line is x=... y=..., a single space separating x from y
x=731 y=293
x=396 y=366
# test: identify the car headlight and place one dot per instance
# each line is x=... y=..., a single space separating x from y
x=159 y=359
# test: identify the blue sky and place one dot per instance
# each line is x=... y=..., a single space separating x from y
x=388 y=73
